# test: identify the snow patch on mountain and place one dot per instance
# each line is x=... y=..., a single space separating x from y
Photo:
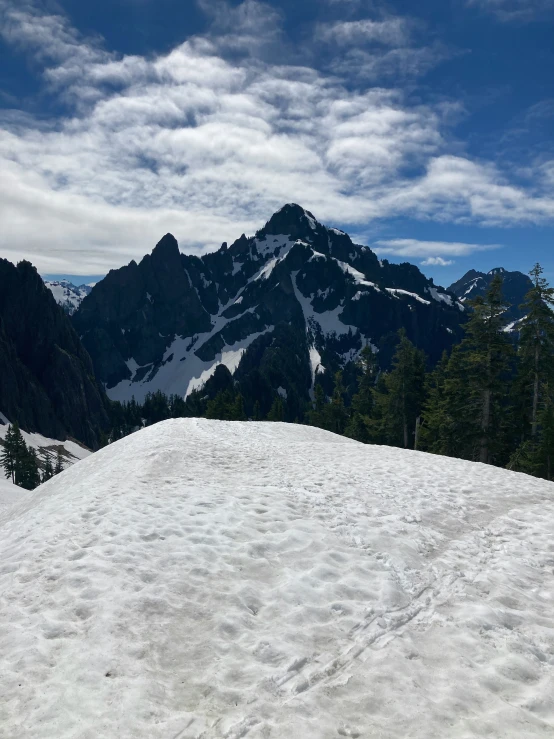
x=328 y=322
x=436 y=295
x=359 y=278
x=68 y=295
x=396 y=292
x=209 y=579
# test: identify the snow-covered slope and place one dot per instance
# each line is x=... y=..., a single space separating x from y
x=9 y=493
x=70 y=451
x=68 y=295
x=207 y=579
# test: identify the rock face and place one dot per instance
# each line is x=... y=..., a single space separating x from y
x=515 y=287
x=296 y=299
x=47 y=380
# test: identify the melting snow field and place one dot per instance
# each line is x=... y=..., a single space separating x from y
x=205 y=579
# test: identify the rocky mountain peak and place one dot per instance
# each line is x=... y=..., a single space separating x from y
x=291 y=220
x=166 y=250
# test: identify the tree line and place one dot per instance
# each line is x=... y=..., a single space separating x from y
x=21 y=463
x=489 y=400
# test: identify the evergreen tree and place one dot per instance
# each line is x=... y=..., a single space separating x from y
x=222 y=407
x=29 y=475
x=399 y=396
x=257 y=415
x=335 y=413
x=13 y=453
x=47 y=468
x=362 y=402
x=317 y=415
x=237 y=412
x=277 y=410
x=487 y=355
x=59 y=464
x=536 y=352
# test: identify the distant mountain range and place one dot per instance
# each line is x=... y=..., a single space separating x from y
x=276 y=310
x=515 y=286
x=294 y=300
x=68 y=295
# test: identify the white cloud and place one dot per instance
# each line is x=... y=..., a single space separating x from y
x=437 y=262
x=194 y=143
x=392 y=31
x=429 y=249
x=514 y=10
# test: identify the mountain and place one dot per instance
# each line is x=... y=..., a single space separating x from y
x=516 y=285
x=211 y=579
x=68 y=295
x=47 y=379
x=294 y=300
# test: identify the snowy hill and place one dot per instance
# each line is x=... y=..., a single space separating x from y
x=9 y=493
x=68 y=295
x=210 y=579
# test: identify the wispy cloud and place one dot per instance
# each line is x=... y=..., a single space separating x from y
x=207 y=141
x=515 y=10
x=391 y=32
x=434 y=251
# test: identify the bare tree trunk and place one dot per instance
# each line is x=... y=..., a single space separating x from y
x=485 y=423
x=417 y=427
x=534 y=423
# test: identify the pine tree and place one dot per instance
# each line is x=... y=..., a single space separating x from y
x=362 y=402
x=13 y=453
x=237 y=412
x=399 y=396
x=59 y=464
x=487 y=355
x=47 y=468
x=8 y=457
x=257 y=415
x=335 y=413
x=536 y=351
x=29 y=475
x=277 y=410
x=317 y=415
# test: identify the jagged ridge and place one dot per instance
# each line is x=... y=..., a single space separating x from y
x=166 y=322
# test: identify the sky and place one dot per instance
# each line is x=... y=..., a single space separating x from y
x=424 y=130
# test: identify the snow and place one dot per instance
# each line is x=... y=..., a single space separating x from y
x=359 y=277
x=182 y=371
x=440 y=297
x=67 y=294
x=225 y=580
x=282 y=392
x=328 y=321
x=71 y=451
x=472 y=285
x=311 y=221
x=10 y=493
x=396 y=292
x=267 y=246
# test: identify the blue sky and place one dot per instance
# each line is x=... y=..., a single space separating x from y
x=422 y=129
